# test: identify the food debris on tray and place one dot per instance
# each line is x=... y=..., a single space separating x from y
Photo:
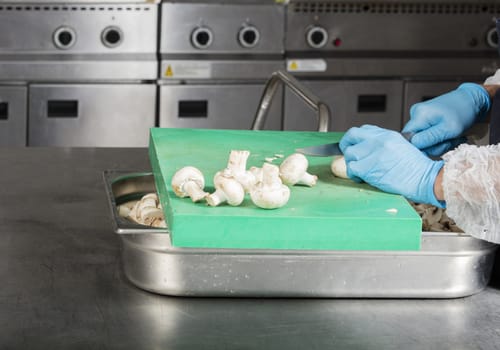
x=435 y=219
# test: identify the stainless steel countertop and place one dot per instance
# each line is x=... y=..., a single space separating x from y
x=63 y=287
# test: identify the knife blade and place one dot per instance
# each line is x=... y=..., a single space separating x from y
x=333 y=149
x=325 y=150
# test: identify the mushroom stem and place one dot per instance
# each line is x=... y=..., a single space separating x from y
x=227 y=189
x=236 y=168
x=308 y=180
x=194 y=191
x=237 y=162
x=216 y=198
x=189 y=182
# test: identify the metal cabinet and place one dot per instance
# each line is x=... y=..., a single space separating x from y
x=351 y=102
x=112 y=115
x=230 y=106
x=13 y=100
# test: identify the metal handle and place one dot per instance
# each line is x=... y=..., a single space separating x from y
x=300 y=90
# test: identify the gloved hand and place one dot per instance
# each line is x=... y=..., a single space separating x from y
x=439 y=123
x=384 y=159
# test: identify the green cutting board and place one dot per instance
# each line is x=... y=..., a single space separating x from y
x=336 y=214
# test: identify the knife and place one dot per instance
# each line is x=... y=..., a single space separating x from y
x=333 y=149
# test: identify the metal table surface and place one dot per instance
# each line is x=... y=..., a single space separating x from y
x=63 y=287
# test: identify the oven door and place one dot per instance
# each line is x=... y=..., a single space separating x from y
x=103 y=115
x=13 y=115
x=419 y=91
x=352 y=103
x=216 y=106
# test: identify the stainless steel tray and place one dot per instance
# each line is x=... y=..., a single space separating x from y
x=449 y=265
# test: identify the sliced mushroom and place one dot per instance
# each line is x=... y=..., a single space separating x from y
x=147 y=211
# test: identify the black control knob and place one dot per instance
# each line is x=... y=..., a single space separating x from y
x=64 y=37
x=248 y=36
x=202 y=37
x=492 y=38
x=112 y=36
x=316 y=37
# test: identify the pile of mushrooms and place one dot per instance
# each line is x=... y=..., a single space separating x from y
x=146 y=211
x=268 y=186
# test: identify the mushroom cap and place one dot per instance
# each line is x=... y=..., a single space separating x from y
x=232 y=189
x=293 y=168
x=246 y=178
x=183 y=175
x=266 y=198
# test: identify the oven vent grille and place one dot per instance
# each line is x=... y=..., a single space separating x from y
x=80 y=8
x=394 y=8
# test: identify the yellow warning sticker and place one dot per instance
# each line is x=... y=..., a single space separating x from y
x=186 y=69
x=169 y=72
x=306 y=65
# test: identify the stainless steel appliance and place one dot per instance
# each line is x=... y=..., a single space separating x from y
x=215 y=60
x=369 y=60
x=88 y=71
x=13 y=115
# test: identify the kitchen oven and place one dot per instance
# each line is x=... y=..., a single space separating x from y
x=371 y=60
x=215 y=59
x=77 y=73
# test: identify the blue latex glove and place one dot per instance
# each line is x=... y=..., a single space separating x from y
x=384 y=159
x=439 y=123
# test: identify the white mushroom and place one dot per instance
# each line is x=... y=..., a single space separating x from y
x=271 y=192
x=227 y=189
x=236 y=168
x=257 y=173
x=189 y=182
x=293 y=171
x=339 y=167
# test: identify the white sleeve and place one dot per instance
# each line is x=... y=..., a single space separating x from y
x=494 y=79
x=471 y=184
